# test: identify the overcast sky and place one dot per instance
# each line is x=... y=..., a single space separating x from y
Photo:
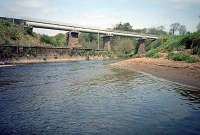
x=106 y=13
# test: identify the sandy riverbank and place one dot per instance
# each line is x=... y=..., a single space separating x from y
x=184 y=73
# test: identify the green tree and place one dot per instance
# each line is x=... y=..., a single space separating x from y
x=88 y=40
x=48 y=40
x=10 y=32
x=122 y=46
x=60 y=39
x=124 y=27
x=91 y=37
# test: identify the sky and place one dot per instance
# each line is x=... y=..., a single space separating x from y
x=106 y=13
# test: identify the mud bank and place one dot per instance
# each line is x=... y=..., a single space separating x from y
x=184 y=73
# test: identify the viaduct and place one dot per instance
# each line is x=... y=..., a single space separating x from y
x=73 y=31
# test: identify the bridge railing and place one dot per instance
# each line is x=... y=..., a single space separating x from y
x=136 y=33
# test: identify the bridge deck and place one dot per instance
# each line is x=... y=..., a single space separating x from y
x=68 y=27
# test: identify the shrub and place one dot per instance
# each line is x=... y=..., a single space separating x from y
x=122 y=47
x=182 y=57
x=153 y=53
x=153 y=45
x=172 y=44
x=57 y=40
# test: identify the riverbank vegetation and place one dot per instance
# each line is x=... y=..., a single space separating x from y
x=176 y=47
x=177 y=44
x=16 y=34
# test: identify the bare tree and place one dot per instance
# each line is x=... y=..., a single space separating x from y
x=174 y=27
x=161 y=28
x=198 y=26
x=182 y=29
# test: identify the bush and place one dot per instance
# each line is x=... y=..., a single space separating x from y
x=182 y=57
x=11 y=33
x=153 y=45
x=172 y=44
x=57 y=40
x=153 y=53
x=123 y=47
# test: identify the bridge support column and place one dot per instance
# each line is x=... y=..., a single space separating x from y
x=107 y=42
x=141 y=49
x=72 y=39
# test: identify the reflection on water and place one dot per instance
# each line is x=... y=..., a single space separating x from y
x=193 y=95
x=91 y=98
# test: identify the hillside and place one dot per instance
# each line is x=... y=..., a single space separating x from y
x=16 y=34
x=179 y=48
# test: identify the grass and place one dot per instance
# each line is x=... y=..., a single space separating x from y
x=154 y=53
x=172 y=44
x=182 y=57
x=153 y=45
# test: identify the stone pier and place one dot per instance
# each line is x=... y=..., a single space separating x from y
x=73 y=39
x=141 y=49
x=107 y=42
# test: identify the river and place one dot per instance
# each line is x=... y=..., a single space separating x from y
x=89 y=97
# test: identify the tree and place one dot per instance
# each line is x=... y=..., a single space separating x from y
x=89 y=40
x=156 y=31
x=160 y=28
x=198 y=27
x=124 y=27
x=10 y=32
x=174 y=27
x=122 y=46
x=182 y=30
x=91 y=37
x=60 y=39
x=48 y=40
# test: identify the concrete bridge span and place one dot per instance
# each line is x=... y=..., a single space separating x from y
x=74 y=30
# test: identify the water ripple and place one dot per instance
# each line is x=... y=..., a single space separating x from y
x=90 y=98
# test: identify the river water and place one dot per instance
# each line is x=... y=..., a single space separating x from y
x=88 y=97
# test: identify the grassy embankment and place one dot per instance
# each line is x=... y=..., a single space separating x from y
x=178 y=48
x=19 y=35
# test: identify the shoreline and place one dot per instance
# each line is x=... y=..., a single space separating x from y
x=50 y=60
x=178 y=72
x=7 y=65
